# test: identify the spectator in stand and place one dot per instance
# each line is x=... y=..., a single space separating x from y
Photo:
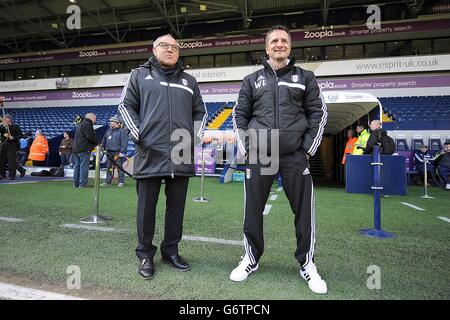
x=65 y=149
x=39 y=149
x=422 y=155
x=443 y=163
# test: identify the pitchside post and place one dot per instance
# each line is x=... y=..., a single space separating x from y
x=202 y=180
x=96 y=218
x=425 y=179
x=376 y=232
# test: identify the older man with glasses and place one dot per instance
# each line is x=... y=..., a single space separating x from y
x=158 y=102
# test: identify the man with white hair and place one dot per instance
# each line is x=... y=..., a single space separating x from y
x=158 y=102
x=83 y=143
x=379 y=136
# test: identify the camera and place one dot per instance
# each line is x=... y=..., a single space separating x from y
x=78 y=119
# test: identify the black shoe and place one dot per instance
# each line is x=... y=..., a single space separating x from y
x=22 y=172
x=146 y=269
x=177 y=262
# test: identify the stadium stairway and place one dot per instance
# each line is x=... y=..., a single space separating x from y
x=220 y=119
x=385 y=117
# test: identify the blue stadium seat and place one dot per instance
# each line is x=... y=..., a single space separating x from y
x=417 y=141
x=55 y=120
x=400 y=143
x=417 y=109
x=435 y=143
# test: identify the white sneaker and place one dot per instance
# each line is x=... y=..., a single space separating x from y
x=120 y=184
x=447 y=186
x=315 y=282
x=241 y=272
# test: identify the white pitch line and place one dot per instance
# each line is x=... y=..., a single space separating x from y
x=20 y=182
x=81 y=226
x=214 y=240
x=273 y=197
x=444 y=219
x=280 y=189
x=11 y=219
x=267 y=209
x=9 y=291
x=412 y=206
x=191 y=238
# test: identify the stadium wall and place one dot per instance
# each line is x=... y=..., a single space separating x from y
x=401 y=76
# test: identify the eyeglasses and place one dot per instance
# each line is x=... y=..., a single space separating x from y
x=166 y=46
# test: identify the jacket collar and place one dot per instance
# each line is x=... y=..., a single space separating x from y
x=285 y=69
x=363 y=132
x=153 y=63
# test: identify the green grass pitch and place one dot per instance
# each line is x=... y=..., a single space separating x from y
x=414 y=265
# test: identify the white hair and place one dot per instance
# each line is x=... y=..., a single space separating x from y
x=158 y=40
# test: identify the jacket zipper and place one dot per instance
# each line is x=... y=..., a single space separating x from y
x=275 y=107
x=170 y=130
x=277 y=113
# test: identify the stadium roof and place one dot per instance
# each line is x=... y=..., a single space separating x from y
x=26 y=21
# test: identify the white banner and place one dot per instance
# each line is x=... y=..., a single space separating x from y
x=380 y=65
x=111 y=80
x=223 y=74
x=321 y=69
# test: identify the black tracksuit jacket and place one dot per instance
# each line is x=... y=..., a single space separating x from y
x=85 y=139
x=152 y=107
x=288 y=100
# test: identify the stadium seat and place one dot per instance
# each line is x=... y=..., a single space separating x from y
x=400 y=143
x=55 y=120
x=417 y=109
x=435 y=143
x=417 y=141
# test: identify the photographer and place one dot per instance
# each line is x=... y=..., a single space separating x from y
x=10 y=135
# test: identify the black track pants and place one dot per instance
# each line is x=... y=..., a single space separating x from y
x=298 y=187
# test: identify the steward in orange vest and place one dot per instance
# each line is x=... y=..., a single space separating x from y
x=39 y=148
x=351 y=141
